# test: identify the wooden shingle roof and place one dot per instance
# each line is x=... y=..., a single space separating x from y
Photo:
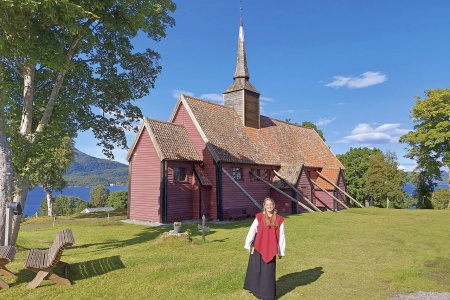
x=288 y=173
x=275 y=143
x=222 y=131
x=171 y=141
x=204 y=181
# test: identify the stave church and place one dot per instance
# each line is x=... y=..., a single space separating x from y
x=221 y=161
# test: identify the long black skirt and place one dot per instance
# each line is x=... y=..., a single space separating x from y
x=260 y=277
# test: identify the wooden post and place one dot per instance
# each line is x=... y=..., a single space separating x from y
x=283 y=193
x=326 y=192
x=297 y=191
x=336 y=186
x=242 y=189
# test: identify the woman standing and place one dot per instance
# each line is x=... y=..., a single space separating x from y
x=265 y=240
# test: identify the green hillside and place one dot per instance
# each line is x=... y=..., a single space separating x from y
x=87 y=170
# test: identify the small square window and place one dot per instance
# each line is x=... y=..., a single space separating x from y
x=179 y=174
x=236 y=173
x=265 y=174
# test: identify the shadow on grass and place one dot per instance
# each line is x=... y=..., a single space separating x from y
x=96 y=267
x=144 y=236
x=289 y=282
x=79 y=271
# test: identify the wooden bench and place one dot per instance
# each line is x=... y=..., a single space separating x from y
x=6 y=256
x=43 y=261
x=236 y=213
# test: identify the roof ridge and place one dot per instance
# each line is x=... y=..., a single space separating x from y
x=206 y=101
x=163 y=122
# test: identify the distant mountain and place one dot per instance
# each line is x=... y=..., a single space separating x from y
x=87 y=170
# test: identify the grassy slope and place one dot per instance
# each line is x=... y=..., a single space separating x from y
x=365 y=253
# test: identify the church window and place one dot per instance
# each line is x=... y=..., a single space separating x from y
x=179 y=174
x=236 y=173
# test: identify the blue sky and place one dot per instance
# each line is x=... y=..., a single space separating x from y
x=352 y=67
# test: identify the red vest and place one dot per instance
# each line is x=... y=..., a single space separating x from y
x=267 y=238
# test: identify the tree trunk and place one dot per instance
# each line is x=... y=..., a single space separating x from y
x=22 y=183
x=6 y=171
x=48 y=195
x=6 y=176
x=22 y=186
x=28 y=96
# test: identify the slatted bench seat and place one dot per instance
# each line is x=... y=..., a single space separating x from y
x=236 y=213
x=6 y=256
x=43 y=261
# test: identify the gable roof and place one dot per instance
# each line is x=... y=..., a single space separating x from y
x=275 y=143
x=171 y=141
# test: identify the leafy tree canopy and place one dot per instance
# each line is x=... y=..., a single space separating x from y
x=356 y=163
x=72 y=64
x=64 y=205
x=429 y=142
x=440 y=199
x=99 y=196
x=118 y=200
x=384 y=180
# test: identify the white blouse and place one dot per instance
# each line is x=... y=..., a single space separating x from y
x=252 y=232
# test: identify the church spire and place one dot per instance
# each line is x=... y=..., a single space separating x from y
x=241 y=61
x=241 y=95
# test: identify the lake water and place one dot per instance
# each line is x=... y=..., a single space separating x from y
x=37 y=195
x=409 y=188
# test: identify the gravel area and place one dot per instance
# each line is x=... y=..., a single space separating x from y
x=423 y=296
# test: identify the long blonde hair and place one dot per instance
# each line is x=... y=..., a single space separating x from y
x=272 y=220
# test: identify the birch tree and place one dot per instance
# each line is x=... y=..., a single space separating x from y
x=70 y=66
x=6 y=172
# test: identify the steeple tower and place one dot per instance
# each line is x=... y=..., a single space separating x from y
x=241 y=94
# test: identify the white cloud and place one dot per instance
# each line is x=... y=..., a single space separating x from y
x=323 y=121
x=364 y=80
x=366 y=134
x=218 y=98
x=176 y=93
x=287 y=111
x=266 y=99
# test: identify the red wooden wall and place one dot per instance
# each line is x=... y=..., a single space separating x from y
x=179 y=193
x=144 y=185
x=183 y=118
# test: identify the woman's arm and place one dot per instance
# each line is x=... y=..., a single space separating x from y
x=282 y=241
x=251 y=235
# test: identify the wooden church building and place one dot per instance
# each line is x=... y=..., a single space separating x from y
x=222 y=160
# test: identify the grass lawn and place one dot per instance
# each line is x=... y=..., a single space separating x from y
x=367 y=253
